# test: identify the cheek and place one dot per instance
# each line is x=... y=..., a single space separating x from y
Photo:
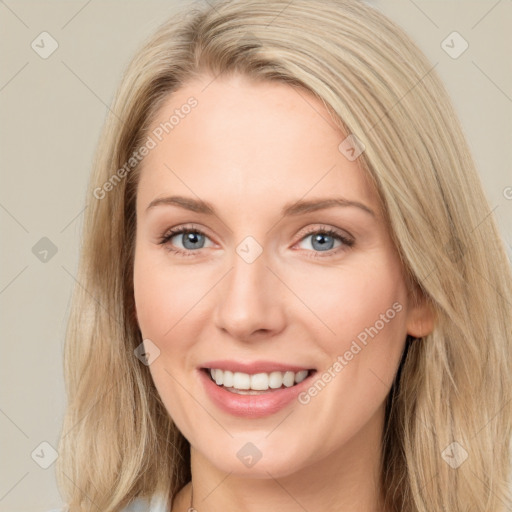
x=353 y=301
x=362 y=334
x=170 y=302
x=365 y=311
x=164 y=295
x=165 y=298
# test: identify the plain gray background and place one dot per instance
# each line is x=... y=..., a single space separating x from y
x=52 y=110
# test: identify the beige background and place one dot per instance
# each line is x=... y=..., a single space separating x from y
x=52 y=110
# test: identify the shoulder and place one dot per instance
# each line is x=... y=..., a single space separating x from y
x=157 y=503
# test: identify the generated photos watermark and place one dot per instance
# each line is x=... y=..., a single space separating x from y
x=357 y=345
x=151 y=142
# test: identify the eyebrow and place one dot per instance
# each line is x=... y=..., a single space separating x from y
x=292 y=209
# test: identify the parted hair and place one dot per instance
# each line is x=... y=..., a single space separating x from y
x=452 y=386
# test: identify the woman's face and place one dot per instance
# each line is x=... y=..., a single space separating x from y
x=257 y=288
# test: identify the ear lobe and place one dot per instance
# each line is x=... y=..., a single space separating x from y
x=420 y=318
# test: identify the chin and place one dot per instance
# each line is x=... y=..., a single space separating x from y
x=257 y=459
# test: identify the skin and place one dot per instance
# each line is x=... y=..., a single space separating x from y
x=250 y=148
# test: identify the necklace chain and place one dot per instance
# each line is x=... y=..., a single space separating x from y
x=191 y=508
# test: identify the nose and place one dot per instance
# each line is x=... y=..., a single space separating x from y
x=250 y=300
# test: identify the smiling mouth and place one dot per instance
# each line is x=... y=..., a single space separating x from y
x=257 y=383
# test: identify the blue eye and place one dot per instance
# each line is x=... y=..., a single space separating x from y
x=193 y=239
x=323 y=240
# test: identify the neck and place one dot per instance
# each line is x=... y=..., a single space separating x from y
x=346 y=480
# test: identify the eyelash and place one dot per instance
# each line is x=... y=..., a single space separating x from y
x=347 y=242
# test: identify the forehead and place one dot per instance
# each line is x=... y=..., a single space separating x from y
x=255 y=142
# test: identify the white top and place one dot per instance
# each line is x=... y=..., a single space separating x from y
x=158 y=503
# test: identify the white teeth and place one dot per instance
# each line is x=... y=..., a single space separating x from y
x=299 y=376
x=240 y=380
x=275 y=380
x=228 y=379
x=257 y=381
x=289 y=379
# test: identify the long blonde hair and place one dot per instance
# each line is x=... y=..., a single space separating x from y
x=452 y=396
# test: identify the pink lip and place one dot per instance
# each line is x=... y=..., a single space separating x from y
x=250 y=406
x=254 y=367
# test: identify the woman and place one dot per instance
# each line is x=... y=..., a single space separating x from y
x=292 y=293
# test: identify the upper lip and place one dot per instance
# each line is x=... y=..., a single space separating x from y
x=254 y=366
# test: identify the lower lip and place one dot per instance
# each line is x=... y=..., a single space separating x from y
x=251 y=406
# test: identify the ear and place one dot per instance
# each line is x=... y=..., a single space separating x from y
x=420 y=316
